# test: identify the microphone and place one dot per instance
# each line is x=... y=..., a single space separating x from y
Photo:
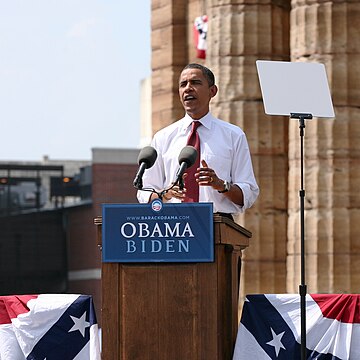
x=187 y=158
x=146 y=160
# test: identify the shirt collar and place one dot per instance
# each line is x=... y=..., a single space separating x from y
x=205 y=120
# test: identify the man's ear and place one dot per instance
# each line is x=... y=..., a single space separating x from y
x=213 y=90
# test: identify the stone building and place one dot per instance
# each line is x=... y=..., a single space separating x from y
x=239 y=33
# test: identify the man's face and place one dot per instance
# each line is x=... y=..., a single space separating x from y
x=195 y=93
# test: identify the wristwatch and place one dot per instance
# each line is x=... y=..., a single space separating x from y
x=226 y=187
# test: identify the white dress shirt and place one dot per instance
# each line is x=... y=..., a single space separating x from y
x=225 y=149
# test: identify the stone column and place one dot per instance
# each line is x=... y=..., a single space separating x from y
x=239 y=34
x=169 y=55
x=328 y=32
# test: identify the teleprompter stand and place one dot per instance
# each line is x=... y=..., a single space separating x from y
x=302 y=286
x=300 y=90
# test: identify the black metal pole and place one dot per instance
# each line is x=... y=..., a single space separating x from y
x=302 y=286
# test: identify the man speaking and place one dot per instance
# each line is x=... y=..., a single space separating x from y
x=221 y=172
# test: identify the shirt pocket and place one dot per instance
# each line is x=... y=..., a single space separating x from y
x=220 y=164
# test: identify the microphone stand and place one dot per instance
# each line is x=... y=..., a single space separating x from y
x=138 y=184
x=159 y=194
x=302 y=286
x=181 y=183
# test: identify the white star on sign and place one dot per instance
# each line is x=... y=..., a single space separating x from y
x=80 y=324
x=276 y=341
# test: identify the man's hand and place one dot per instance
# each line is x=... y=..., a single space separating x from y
x=206 y=176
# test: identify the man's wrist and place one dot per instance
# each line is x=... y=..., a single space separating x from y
x=226 y=185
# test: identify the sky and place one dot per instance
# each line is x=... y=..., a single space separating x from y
x=70 y=73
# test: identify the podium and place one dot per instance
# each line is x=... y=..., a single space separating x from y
x=174 y=311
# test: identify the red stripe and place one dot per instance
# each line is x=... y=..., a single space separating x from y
x=12 y=306
x=341 y=307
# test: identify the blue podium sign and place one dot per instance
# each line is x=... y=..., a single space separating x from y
x=157 y=232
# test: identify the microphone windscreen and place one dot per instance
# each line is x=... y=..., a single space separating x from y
x=148 y=156
x=188 y=155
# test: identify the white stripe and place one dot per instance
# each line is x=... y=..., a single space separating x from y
x=322 y=334
x=246 y=346
x=91 y=351
x=44 y=312
x=9 y=346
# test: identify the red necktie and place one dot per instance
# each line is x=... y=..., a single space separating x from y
x=192 y=187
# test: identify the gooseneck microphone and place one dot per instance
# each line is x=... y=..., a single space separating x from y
x=146 y=160
x=187 y=158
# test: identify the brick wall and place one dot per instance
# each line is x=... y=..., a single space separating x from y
x=111 y=183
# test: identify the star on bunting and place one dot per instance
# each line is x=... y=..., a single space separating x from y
x=79 y=324
x=276 y=341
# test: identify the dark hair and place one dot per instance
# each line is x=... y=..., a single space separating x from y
x=206 y=72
